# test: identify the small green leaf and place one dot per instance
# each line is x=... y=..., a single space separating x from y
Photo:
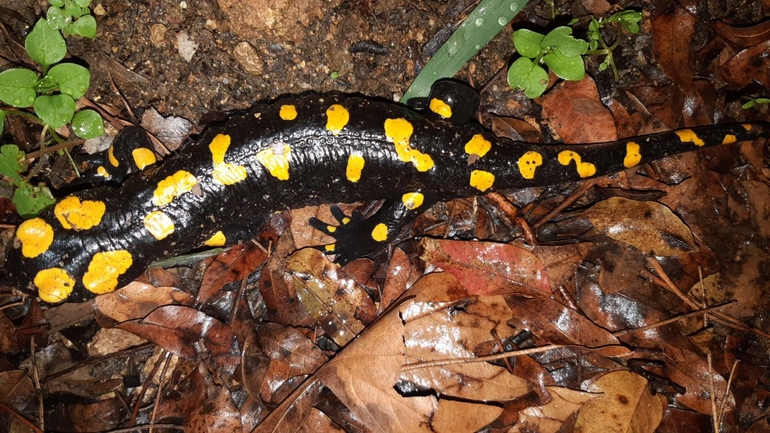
x=72 y=79
x=56 y=18
x=569 y=68
x=88 y=124
x=2 y=120
x=55 y=110
x=45 y=45
x=30 y=200
x=85 y=26
x=528 y=76
x=83 y=3
x=561 y=39
x=527 y=42
x=46 y=86
x=12 y=162
x=17 y=87
x=57 y=3
x=748 y=104
x=72 y=9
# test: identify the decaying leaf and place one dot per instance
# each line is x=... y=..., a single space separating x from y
x=649 y=226
x=330 y=297
x=486 y=267
x=550 y=417
x=624 y=405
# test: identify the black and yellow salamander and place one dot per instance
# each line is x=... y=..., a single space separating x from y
x=301 y=151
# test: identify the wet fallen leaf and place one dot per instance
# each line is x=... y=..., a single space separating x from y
x=335 y=301
x=550 y=417
x=649 y=226
x=577 y=114
x=486 y=267
x=233 y=264
x=180 y=329
x=459 y=416
x=624 y=405
x=744 y=36
x=747 y=66
x=557 y=324
x=137 y=300
x=441 y=332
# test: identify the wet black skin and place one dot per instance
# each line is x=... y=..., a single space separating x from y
x=317 y=175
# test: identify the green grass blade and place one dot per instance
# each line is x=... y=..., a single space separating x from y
x=486 y=21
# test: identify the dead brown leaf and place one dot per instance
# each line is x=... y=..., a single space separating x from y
x=624 y=405
x=485 y=267
x=649 y=226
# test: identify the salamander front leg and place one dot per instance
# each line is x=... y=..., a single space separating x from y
x=358 y=237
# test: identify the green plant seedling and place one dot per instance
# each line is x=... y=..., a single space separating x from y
x=754 y=101
x=558 y=49
x=29 y=199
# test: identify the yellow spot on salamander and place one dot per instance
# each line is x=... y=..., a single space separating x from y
x=688 y=136
x=159 y=224
x=729 y=139
x=143 y=157
x=331 y=229
x=111 y=157
x=337 y=117
x=101 y=171
x=478 y=145
x=172 y=187
x=276 y=160
x=584 y=169
x=528 y=163
x=218 y=239
x=224 y=172
x=355 y=167
x=36 y=236
x=398 y=132
x=633 y=156
x=54 y=285
x=288 y=112
x=412 y=200
x=77 y=215
x=482 y=180
x=104 y=270
x=345 y=220
x=747 y=126
x=380 y=232
x=440 y=107
x=329 y=247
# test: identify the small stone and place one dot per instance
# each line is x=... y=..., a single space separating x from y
x=158 y=35
x=186 y=46
x=246 y=55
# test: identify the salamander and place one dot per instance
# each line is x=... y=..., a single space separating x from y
x=300 y=151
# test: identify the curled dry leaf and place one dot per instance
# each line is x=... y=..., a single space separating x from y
x=624 y=405
x=649 y=226
x=744 y=36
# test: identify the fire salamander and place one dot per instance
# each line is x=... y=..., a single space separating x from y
x=302 y=151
